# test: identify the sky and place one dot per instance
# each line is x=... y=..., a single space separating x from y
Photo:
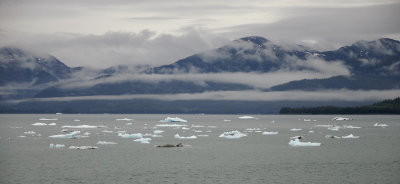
x=103 y=33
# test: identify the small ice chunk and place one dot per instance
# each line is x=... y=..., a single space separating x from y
x=307 y=120
x=350 y=126
x=107 y=131
x=197 y=126
x=128 y=124
x=86 y=133
x=83 y=147
x=158 y=131
x=124 y=119
x=232 y=135
x=227 y=120
x=105 y=142
x=197 y=131
x=71 y=135
x=334 y=128
x=77 y=120
x=176 y=119
x=48 y=119
x=82 y=126
x=22 y=136
x=135 y=136
x=39 y=124
x=380 y=125
x=295 y=129
x=297 y=137
x=212 y=126
x=177 y=136
x=341 y=119
x=351 y=136
x=143 y=140
x=253 y=129
x=311 y=132
x=184 y=128
x=270 y=133
x=30 y=132
x=56 y=145
x=170 y=125
x=246 y=117
x=296 y=142
x=52 y=124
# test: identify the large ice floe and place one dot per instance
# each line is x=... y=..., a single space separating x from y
x=124 y=119
x=71 y=135
x=56 y=146
x=170 y=120
x=177 y=136
x=83 y=126
x=341 y=119
x=296 y=142
x=171 y=125
x=39 y=124
x=380 y=125
x=143 y=140
x=246 y=117
x=232 y=135
x=105 y=142
x=351 y=136
x=134 y=136
x=270 y=133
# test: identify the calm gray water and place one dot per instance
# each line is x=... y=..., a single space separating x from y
x=372 y=158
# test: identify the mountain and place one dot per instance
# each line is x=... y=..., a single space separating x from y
x=18 y=66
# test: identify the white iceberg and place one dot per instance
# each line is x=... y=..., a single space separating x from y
x=296 y=142
x=306 y=120
x=170 y=125
x=82 y=126
x=190 y=137
x=297 y=137
x=30 y=132
x=22 y=136
x=47 y=119
x=176 y=119
x=105 y=142
x=295 y=129
x=184 y=128
x=270 y=133
x=351 y=136
x=198 y=131
x=143 y=140
x=71 y=135
x=52 y=124
x=77 y=120
x=311 y=132
x=86 y=133
x=83 y=147
x=246 y=117
x=56 y=145
x=158 y=131
x=341 y=119
x=135 y=136
x=380 y=125
x=107 y=131
x=232 y=135
x=124 y=119
x=39 y=124
x=334 y=128
x=350 y=126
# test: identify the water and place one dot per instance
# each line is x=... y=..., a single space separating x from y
x=256 y=158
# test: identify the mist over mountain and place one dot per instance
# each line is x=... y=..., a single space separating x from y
x=247 y=64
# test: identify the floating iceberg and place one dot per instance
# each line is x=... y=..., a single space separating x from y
x=77 y=120
x=22 y=136
x=124 y=119
x=334 y=128
x=143 y=140
x=105 y=142
x=341 y=119
x=295 y=129
x=246 y=117
x=311 y=132
x=107 y=131
x=83 y=147
x=52 y=124
x=297 y=142
x=198 y=131
x=82 y=126
x=30 y=132
x=158 y=131
x=176 y=119
x=270 y=133
x=56 y=145
x=232 y=135
x=86 y=133
x=184 y=128
x=170 y=125
x=46 y=119
x=190 y=137
x=306 y=120
x=380 y=125
x=135 y=136
x=71 y=135
x=297 y=137
x=351 y=136
x=39 y=124
x=350 y=126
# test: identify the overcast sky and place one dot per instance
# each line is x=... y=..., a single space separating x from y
x=102 y=33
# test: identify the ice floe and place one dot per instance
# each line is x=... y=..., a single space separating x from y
x=71 y=135
x=232 y=135
x=171 y=125
x=246 y=117
x=296 y=142
x=39 y=124
x=83 y=147
x=295 y=129
x=270 y=133
x=177 y=136
x=143 y=140
x=135 y=136
x=351 y=136
x=105 y=142
x=124 y=119
x=341 y=119
x=83 y=126
x=380 y=125
x=176 y=119
x=56 y=146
